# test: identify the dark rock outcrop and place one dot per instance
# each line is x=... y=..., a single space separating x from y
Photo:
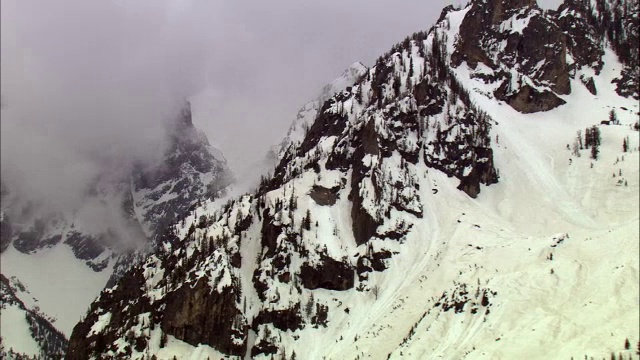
x=324 y=196
x=330 y=274
x=617 y=22
x=129 y=293
x=589 y=84
x=583 y=42
x=84 y=247
x=527 y=99
x=287 y=319
x=535 y=48
x=214 y=315
x=364 y=225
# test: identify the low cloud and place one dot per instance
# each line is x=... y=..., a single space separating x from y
x=88 y=85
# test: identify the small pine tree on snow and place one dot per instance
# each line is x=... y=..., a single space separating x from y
x=309 y=307
x=625 y=145
x=410 y=66
x=594 y=152
x=396 y=86
x=613 y=118
x=595 y=131
x=579 y=139
x=375 y=291
x=627 y=344
x=587 y=137
x=306 y=222
x=577 y=145
x=358 y=94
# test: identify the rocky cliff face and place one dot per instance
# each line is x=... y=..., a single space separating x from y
x=616 y=21
x=531 y=54
x=191 y=171
x=524 y=48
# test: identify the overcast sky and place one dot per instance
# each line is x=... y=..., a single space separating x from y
x=272 y=57
x=87 y=82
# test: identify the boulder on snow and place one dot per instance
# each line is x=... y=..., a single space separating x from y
x=324 y=196
x=330 y=274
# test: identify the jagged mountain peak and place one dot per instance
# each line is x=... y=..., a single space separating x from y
x=123 y=209
x=185 y=117
x=348 y=77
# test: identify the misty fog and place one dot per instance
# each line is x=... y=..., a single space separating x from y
x=89 y=85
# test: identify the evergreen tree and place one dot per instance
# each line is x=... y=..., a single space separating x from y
x=613 y=118
x=594 y=152
x=309 y=307
x=580 y=139
x=410 y=66
x=396 y=86
x=306 y=222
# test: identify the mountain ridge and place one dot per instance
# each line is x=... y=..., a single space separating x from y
x=323 y=258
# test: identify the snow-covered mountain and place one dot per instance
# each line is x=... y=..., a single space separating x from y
x=297 y=130
x=308 y=112
x=473 y=195
x=63 y=259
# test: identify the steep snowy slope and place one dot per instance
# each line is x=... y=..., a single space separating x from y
x=436 y=209
x=65 y=258
x=28 y=332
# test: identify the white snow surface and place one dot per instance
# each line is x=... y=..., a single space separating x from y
x=16 y=333
x=64 y=291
